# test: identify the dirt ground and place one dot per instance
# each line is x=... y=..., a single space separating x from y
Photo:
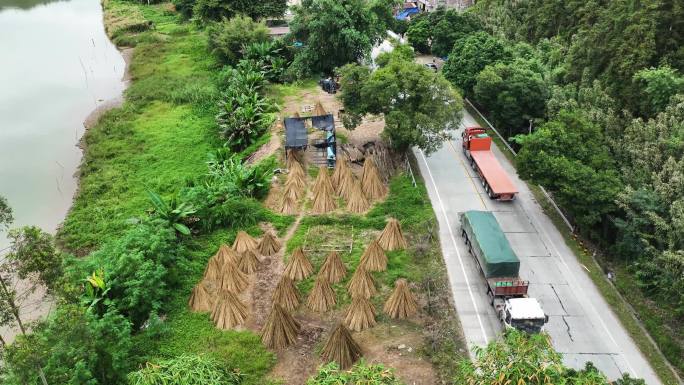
x=399 y=345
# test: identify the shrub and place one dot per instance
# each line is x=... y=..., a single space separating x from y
x=184 y=370
x=268 y=58
x=73 y=346
x=135 y=269
x=228 y=38
x=211 y=10
x=361 y=373
x=184 y=7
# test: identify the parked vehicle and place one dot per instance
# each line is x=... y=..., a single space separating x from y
x=477 y=148
x=500 y=267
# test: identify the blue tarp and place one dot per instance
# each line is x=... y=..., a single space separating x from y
x=295 y=133
x=406 y=12
x=323 y=122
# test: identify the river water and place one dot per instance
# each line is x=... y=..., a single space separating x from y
x=56 y=66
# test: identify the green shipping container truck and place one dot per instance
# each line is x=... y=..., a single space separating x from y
x=500 y=266
x=489 y=245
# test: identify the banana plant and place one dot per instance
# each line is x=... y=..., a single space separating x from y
x=174 y=212
x=95 y=289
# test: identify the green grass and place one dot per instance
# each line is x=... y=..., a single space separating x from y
x=624 y=310
x=157 y=140
x=279 y=92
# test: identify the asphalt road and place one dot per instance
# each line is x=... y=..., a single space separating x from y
x=581 y=324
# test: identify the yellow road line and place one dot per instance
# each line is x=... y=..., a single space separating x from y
x=465 y=168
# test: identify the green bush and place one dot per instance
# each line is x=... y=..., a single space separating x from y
x=184 y=370
x=136 y=269
x=212 y=10
x=361 y=373
x=73 y=346
x=228 y=38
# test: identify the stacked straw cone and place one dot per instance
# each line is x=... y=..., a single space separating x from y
x=392 y=238
x=324 y=199
x=401 y=303
x=298 y=267
x=371 y=184
x=341 y=348
x=280 y=330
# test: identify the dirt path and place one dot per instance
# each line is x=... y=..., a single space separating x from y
x=263 y=283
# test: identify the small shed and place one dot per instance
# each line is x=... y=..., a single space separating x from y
x=296 y=136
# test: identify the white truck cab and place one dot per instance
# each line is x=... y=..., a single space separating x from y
x=525 y=314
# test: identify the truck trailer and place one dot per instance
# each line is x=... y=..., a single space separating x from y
x=500 y=268
x=477 y=148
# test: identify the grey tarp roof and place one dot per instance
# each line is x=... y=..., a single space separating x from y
x=323 y=122
x=295 y=133
x=495 y=254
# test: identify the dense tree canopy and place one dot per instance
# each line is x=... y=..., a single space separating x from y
x=471 y=55
x=515 y=93
x=437 y=31
x=336 y=32
x=655 y=87
x=568 y=155
x=418 y=104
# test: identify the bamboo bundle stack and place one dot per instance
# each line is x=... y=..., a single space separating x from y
x=232 y=278
x=280 y=329
x=249 y=263
x=286 y=294
x=357 y=203
x=226 y=254
x=341 y=348
x=200 y=299
x=288 y=206
x=322 y=296
x=401 y=303
x=323 y=183
x=333 y=268
x=374 y=258
x=294 y=156
x=323 y=201
x=371 y=184
x=341 y=168
x=269 y=244
x=298 y=267
x=213 y=270
x=361 y=284
x=392 y=237
x=292 y=193
x=344 y=187
x=360 y=314
x=228 y=311
x=244 y=242
x=319 y=110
